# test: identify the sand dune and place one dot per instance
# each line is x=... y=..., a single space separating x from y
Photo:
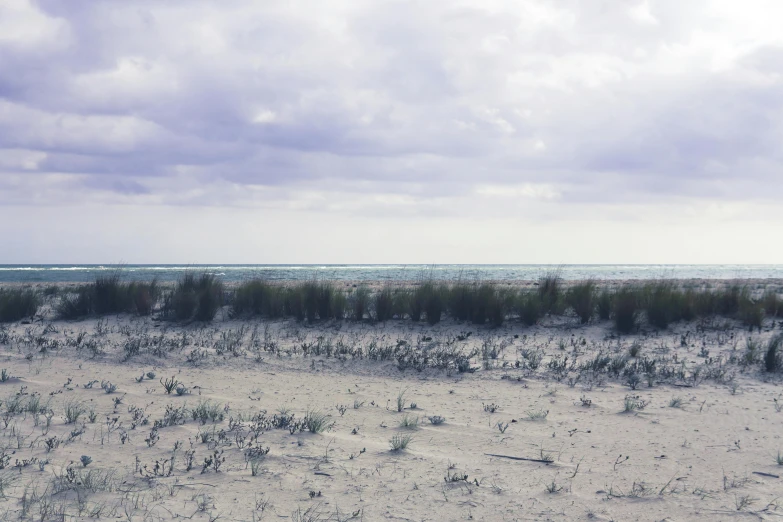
x=520 y=440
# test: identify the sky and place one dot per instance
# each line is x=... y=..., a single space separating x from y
x=373 y=131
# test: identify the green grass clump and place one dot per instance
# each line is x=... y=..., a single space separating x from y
x=529 y=309
x=112 y=296
x=460 y=304
x=750 y=312
x=359 y=303
x=207 y=411
x=409 y=422
x=626 y=309
x=18 y=303
x=315 y=300
x=317 y=421
x=772 y=304
x=384 y=304
x=251 y=298
x=549 y=291
x=73 y=411
x=400 y=442
x=108 y=295
x=426 y=300
x=773 y=359
x=75 y=303
x=195 y=298
x=143 y=297
x=581 y=297
x=418 y=301
x=662 y=300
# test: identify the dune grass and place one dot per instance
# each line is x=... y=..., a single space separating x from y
x=195 y=297
x=109 y=294
x=550 y=291
x=18 y=303
x=626 y=309
x=581 y=297
x=773 y=358
x=198 y=297
x=383 y=304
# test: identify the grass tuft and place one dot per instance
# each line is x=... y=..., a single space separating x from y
x=195 y=298
x=317 y=421
x=400 y=442
x=773 y=358
x=18 y=303
x=581 y=297
x=626 y=309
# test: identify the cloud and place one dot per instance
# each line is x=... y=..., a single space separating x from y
x=395 y=108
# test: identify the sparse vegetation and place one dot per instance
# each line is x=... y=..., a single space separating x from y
x=58 y=411
x=633 y=403
x=400 y=442
x=317 y=421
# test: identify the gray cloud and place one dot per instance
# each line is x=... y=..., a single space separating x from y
x=259 y=102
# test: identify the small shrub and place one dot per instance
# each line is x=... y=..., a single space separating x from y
x=85 y=460
x=537 y=415
x=436 y=420
x=206 y=411
x=633 y=403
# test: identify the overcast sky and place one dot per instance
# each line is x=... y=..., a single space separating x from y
x=524 y=131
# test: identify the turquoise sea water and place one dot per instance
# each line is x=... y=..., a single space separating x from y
x=231 y=273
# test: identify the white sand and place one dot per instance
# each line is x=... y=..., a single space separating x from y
x=696 y=462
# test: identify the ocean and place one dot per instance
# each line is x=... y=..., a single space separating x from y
x=234 y=273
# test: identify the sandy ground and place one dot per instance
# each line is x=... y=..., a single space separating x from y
x=710 y=457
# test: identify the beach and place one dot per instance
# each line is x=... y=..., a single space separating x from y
x=400 y=420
